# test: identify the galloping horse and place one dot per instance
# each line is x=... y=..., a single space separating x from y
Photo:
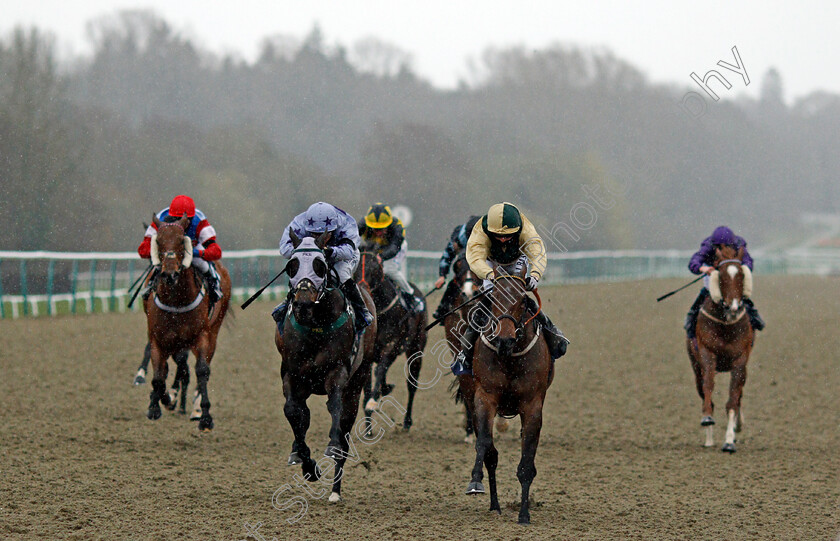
x=179 y=385
x=177 y=316
x=455 y=323
x=512 y=370
x=724 y=341
x=317 y=349
x=398 y=331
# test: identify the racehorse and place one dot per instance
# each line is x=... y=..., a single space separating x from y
x=317 y=349
x=724 y=341
x=454 y=325
x=177 y=315
x=512 y=370
x=398 y=330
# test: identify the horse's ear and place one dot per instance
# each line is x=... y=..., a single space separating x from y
x=155 y=220
x=323 y=239
x=740 y=255
x=295 y=238
x=184 y=222
x=718 y=255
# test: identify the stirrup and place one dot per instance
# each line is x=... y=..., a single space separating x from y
x=461 y=366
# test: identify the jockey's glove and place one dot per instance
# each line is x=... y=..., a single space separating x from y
x=531 y=283
x=328 y=251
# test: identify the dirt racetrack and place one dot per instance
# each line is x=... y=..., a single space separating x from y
x=620 y=455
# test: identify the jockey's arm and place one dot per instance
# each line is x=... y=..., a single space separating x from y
x=446 y=259
x=532 y=246
x=701 y=257
x=207 y=248
x=395 y=243
x=145 y=248
x=478 y=249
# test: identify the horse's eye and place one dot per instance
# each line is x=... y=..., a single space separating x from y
x=292 y=267
x=319 y=267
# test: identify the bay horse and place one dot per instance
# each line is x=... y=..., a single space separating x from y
x=177 y=315
x=316 y=346
x=454 y=325
x=398 y=331
x=724 y=341
x=512 y=370
x=179 y=385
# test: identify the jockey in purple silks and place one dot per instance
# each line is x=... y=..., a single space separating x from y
x=702 y=263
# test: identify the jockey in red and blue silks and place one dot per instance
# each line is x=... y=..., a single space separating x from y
x=341 y=251
x=203 y=236
x=702 y=263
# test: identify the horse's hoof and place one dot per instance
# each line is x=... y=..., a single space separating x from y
x=728 y=448
x=469 y=439
x=335 y=497
x=205 y=424
x=312 y=474
x=387 y=388
x=707 y=421
x=525 y=521
x=475 y=487
x=406 y=426
x=372 y=405
x=294 y=459
x=332 y=452
x=140 y=378
x=153 y=413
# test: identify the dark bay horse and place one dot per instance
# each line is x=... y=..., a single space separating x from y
x=177 y=316
x=724 y=341
x=455 y=324
x=317 y=350
x=512 y=370
x=398 y=331
x=179 y=385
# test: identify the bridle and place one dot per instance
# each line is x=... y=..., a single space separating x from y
x=518 y=324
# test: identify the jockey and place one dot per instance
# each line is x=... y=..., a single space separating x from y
x=203 y=236
x=386 y=235
x=505 y=236
x=456 y=245
x=341 y=251
x=701 y=263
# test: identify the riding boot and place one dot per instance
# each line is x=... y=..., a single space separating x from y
x=449 y=296
x=214 y=289
x=755 y=320
x=476 y=321
x=413 y=303
x=554 y=338
x=363 y=316
x=693 y=312
x=279 y=313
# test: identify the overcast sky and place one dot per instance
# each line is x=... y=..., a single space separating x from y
x=667 y=40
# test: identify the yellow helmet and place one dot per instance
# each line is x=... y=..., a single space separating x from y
x=379 y=216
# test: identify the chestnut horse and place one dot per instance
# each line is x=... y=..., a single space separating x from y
x=398 y=331
x=177 y=316
x=318 y=358
x=512 y=370
x=724 y=341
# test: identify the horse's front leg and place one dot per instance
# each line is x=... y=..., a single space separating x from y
x=297 y=413
x=380 y=387
x=182 y=372
x=485 y=412
x=140 y=376
x=158 y=393
x=203 y=354
x=335 y=384
x=526 y=471
x=733 y=405
x=349 y=409
x=414 y=362
x=708 y=363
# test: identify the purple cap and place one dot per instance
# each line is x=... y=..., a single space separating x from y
x=723 y=235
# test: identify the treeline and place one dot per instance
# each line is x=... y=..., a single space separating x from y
x=90 y=147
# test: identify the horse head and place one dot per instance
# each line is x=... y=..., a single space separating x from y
x=464 y=277
x=307 y=269
x=369 y=268
x=730 y=282
x=507 y=304
x=171 y=248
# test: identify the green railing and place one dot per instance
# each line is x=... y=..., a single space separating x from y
x=51 y=283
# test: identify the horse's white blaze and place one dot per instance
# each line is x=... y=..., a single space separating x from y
x=710 y=438
x=735 y=305
x=335 y=497
x=468 y=288
x=732 y=270
x=372 y=405
x=730 y=428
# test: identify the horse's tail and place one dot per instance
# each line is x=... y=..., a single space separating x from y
x=457 y=395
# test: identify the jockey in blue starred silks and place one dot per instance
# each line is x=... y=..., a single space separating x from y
x=341 y=251
x=456 y=245
x=203 y=237
x=702 y=263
